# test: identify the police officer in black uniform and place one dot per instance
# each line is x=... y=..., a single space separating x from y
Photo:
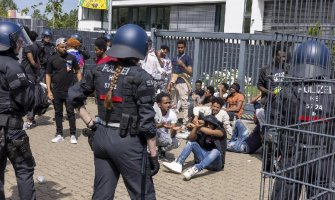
x=305 y=103
x=16 y=98
x=125 y=129
x=47 y=48
x=109 y=39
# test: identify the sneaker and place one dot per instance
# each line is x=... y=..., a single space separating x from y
x=26 y=125
x=183 y=135
x=173 y=166
x=58 y=138
x=190 y=172
x=73 y=139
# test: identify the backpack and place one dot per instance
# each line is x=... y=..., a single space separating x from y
x=41 y=103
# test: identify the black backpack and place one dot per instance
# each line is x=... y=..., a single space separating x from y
x=41 y=100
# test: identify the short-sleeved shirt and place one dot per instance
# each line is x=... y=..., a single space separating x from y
x=277 y=72
x=232 y=102
x=169 y=117
x=35 y=51
x=187 y=60
x=62 y=70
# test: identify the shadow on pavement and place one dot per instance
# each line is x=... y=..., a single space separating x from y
x=47 y=190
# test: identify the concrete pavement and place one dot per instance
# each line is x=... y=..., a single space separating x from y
x=68 y=171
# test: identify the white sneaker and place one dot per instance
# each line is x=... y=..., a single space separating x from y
x=190 y=172
x=26 y=125
x=73 y=139
x=183 y=135
x=58 y=138
x=173 y=166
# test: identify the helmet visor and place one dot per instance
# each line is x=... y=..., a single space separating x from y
x=21 y=37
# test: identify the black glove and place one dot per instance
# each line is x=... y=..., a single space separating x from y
x=154 y=165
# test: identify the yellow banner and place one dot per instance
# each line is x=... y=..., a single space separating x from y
x=95 y=4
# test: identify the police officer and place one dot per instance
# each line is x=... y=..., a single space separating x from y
x=125 y=125
x=47 y=48
x=109 y=39
x=16 y=98
x=306 y=104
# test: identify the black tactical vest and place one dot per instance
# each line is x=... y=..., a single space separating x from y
x=124 y=94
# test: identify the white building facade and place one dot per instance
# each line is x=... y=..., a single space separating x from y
x=230 y=16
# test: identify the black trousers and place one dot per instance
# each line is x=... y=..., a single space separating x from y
x=59 y=101
x=115 y=156
x=24 y=169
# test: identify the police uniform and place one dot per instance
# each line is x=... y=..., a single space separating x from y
x=46 y=50
x=299 y=105
x=119 y=142
x=16 y=98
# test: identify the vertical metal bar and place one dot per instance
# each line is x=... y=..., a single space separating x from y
x=241 y=64
x=196 y=62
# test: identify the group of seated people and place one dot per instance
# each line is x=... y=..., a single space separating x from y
x=214 y=116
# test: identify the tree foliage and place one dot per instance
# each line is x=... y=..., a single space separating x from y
x=66 y=20
x=54 y=7
x=6 y=5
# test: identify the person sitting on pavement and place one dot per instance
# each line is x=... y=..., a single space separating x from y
x=242 y=141
x=208 y=143
x=215 y=110
x=166 y=121
x=235 y=102
x=205 y=100
x=222 y=91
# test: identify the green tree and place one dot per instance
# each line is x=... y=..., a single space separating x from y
x=67 y=20
x=6 y=5
x=36 y=12
x=54 y=7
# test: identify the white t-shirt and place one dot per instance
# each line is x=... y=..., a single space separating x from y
x=170 y=117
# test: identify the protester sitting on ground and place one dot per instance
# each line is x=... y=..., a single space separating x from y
x=195 y=98
x=235 y=102
x=243 y=142
x=166 y=121
x=222 y=91
x=205 y=100
x=208 y=143
x=215 y=110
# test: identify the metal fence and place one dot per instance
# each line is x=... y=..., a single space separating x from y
x=223 y=57
x=299 y=147
x=36 y=25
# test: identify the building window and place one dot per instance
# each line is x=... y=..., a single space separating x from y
x=93 y=14
x=247 y=17
x=220 y=17
x=145 y=17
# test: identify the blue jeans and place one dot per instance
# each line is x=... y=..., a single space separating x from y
x=240 y=133
x=211 y=160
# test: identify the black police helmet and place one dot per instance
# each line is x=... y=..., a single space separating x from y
x=10 y=34
x=312 y=59
x=108 y=37
x=47 y=33
x=130 y=41
x=77 y=37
